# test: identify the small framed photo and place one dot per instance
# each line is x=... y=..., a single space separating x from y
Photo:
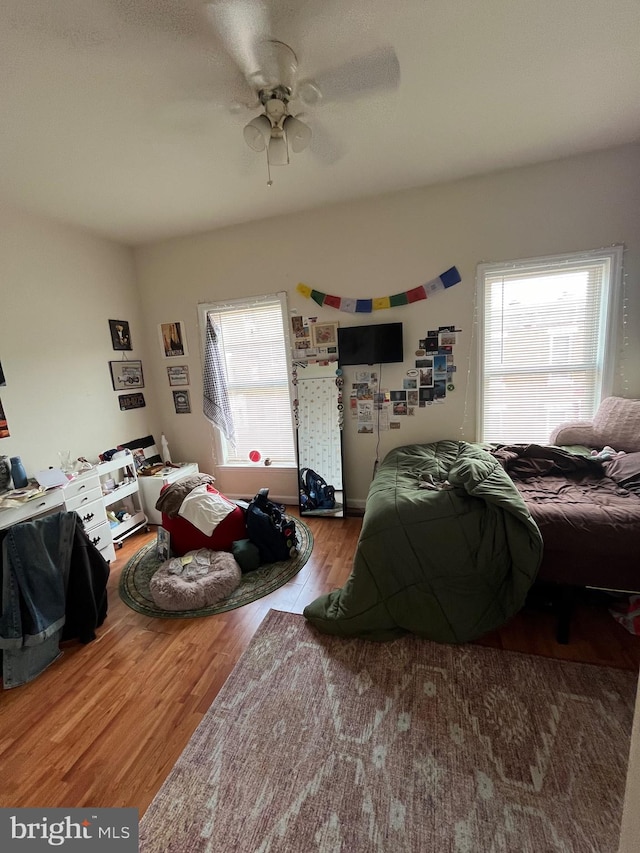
x=126 y=375
x=181 y=402
x=324 y=334
x=163 y=544
x=173 y=339
x=120 y=334
x=131 y=401
x=178 y=374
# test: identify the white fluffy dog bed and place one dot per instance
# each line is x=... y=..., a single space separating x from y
x=197 y=580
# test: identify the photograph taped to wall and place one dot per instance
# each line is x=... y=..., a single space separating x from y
x=173 y=339
x=120 y=334
x=178 y=374
x=181 y=402
x=324 y=334
x=126 y=375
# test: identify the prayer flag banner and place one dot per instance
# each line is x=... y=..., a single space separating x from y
x=379 y=303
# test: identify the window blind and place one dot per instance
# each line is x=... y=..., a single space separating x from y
x=253 y=344
x=544 y=344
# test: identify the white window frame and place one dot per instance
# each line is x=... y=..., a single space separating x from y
x=222 y=446
x=609 y=318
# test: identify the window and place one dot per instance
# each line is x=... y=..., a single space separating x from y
x=253 y=342
x=547 y=342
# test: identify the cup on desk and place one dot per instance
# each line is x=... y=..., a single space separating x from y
x=65 y=460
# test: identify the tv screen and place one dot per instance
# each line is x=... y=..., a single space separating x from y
x=379 y=344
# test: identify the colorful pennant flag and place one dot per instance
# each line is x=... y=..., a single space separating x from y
x=366 y=306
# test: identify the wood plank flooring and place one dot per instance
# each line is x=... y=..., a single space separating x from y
x=106 y=722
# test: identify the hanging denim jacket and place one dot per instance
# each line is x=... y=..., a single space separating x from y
x=43 y=561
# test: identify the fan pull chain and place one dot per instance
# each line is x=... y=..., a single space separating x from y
x=269 y=181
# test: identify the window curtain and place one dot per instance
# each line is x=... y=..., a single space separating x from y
x=216 y=406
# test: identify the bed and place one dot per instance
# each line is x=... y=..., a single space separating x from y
x=587 y=508
x=448 y=549
x=586 y=505
x=455 y=535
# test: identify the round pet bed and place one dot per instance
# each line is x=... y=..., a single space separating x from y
x=196 y=580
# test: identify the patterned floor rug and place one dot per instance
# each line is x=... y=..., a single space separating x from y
x=135 y=577
x=323 y=744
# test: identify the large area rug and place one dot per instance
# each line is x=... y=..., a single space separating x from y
x=135 y=577
x=318 y=743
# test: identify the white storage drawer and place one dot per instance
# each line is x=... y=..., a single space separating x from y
x=50 y=501
x=100 y=536
x=92 y=514
x=83 y=499
x=81 y=485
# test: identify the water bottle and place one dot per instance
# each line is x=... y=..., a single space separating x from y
x=18 y=474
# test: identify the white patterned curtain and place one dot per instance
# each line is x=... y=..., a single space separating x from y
x=216 y=405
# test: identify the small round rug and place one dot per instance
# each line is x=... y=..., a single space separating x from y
x=135 y=577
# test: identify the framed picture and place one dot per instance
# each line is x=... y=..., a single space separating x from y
x=173 y=340
x=120 y=334
x=126 y=375
x=181 y=402
x=131 y=401
x=324 y=334
x=178 y=375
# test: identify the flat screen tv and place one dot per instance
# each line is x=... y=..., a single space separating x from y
x=378 y=344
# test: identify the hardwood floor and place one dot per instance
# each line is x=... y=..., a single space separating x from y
x=105 y=723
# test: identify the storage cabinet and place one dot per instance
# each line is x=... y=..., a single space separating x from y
x=84 y=496
x=120 y=494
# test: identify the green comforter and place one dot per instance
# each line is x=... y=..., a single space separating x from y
x=448 y=563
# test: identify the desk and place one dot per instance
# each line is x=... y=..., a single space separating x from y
x=51 y=501
x=150 y=487
x=82 y=495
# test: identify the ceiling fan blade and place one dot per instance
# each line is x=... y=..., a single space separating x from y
x=324 y=146
x=376 y=71
x=244 y=28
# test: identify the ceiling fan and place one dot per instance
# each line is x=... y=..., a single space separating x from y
x=269 y=68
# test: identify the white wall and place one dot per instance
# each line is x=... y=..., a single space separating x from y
x=386 y=245
x=59 y=287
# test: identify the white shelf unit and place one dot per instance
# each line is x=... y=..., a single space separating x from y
x=124 y=496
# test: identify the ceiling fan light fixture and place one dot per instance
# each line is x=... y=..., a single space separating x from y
x=298 y=133
x=258 y=133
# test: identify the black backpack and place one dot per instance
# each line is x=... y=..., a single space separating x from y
x=314 y=491
x=270 y=530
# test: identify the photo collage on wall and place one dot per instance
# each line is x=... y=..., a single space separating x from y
x=424 y=384
x=313 y=342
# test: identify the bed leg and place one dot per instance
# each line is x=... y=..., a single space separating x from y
x=564 y=605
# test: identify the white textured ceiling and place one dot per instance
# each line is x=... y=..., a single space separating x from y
x=115 y=114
